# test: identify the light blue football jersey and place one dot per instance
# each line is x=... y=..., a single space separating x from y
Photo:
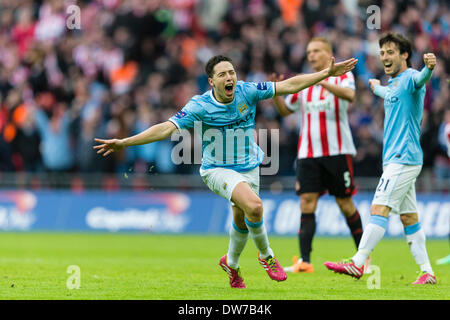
x=403 y=108
x=227 y=129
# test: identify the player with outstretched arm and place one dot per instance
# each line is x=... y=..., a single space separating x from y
x=402 y=157
x=228 y=108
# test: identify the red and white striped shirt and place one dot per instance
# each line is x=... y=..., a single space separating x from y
x=325 y=130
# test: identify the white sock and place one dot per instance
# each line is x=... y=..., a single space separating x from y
x=416 y=242
x=373 y=233
x=259 y=235
x=238 y=240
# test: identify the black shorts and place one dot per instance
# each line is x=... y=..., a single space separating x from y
x=333 y=174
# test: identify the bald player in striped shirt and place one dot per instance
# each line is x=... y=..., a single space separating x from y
x=325 y=149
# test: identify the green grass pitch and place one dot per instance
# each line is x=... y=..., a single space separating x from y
x=173 y=267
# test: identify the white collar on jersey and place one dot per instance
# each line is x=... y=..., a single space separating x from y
x=220 y=103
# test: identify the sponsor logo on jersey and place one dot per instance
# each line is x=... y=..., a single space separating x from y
x=262 y=86
x=322 y=105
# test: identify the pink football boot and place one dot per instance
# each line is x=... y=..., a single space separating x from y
x=347 y=267
x=273 y=268
x=236 y=280
x=425 y=278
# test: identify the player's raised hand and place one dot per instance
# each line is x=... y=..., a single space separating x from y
x=338 y=69
x=430 y=60
x=108 y=146
x=373 y=83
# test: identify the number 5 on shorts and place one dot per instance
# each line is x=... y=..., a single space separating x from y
x=347 y=179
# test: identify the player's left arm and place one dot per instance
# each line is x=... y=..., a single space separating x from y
x=300 y=82
x=425 y=74
x=340 y=92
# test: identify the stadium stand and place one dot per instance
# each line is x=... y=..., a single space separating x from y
x=136 y=63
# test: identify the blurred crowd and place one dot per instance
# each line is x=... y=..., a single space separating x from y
x=126 y=65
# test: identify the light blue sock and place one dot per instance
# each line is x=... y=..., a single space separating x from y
x=259 y=235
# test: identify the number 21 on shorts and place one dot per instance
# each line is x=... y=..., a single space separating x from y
x=382 y=185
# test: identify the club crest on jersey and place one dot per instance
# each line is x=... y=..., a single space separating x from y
x=261 y=86
x=242 y=108
x=180 y=114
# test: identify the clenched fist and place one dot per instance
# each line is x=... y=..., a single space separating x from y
x=430 y=60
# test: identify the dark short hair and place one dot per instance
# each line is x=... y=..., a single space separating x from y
x=209 y=68
x=403 y=44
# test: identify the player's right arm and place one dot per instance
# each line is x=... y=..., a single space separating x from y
x=184 y=119
x=281 y=107
x=155 y=133
x=377 y=88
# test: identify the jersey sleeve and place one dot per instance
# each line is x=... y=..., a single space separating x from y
x=259 y=91
x=293 y=101
x=185 y=118
x=416 y=80
x=380 y=91
x=421 y=78
x=348 y=81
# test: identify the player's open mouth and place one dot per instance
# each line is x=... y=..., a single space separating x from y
x=388 y=65
x=229 y=89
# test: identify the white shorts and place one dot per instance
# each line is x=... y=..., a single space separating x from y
x=223 y=181
x=396 y=188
